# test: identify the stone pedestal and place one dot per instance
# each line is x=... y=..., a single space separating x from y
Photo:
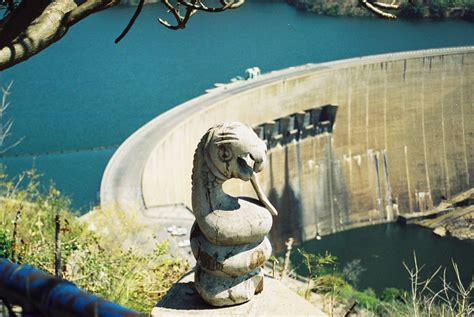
x=275 y=300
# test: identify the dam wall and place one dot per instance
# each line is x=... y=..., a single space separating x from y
x=401 y=140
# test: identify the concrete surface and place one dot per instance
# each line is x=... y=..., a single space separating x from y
x=275 y=300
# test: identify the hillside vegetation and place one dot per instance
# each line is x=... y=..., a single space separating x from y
x=95 y=262
x=90 y=260
x=421 y=9
x=431 y=294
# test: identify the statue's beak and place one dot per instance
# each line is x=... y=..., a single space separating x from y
x=261 y=196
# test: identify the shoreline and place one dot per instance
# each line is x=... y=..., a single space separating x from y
x=454 y=217
x=352 y=8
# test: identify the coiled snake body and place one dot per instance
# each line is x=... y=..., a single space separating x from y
x=228 y=238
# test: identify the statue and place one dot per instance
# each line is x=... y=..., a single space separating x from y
x=228 y=238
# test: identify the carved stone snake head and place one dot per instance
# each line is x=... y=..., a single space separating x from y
x=234 y=150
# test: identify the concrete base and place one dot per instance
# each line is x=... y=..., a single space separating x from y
x=275 y=300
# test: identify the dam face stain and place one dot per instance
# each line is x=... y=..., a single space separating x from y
x=288 y=223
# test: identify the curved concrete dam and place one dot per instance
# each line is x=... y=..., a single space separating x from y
x=352 y=142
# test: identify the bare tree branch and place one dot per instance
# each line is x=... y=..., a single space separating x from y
x=200 y=6
x=132 y=21
x=87 y=8
x=175 y=11
x=42 y=32
x=5 y=127
x=393 y=6
x=49 y=26
x=30 y=26
x=375 y=7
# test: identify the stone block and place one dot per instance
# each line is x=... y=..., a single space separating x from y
x=275 y=300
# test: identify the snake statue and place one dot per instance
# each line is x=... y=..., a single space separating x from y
x=228 y=238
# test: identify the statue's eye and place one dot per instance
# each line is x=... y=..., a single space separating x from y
x=225 y=154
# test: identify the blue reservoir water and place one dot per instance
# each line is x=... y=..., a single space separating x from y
x=77 y=101
x=85 y=93
x=382 y=249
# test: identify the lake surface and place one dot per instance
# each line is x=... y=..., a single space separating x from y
x=382 y=249
x=86 y=93
x=77 y=101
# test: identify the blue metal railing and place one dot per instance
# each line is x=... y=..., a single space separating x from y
x=41 y=294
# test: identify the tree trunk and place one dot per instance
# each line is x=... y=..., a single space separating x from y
x=36 y=24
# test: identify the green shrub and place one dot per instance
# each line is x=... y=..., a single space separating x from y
x=5 y=244
x=392 y=294
x=89 y=259
x=366 y=299
x=411 y=11
x=329 y=283
x=438 y=9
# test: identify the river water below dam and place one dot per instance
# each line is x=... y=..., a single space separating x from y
x=77 y=101
x=382 y=249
